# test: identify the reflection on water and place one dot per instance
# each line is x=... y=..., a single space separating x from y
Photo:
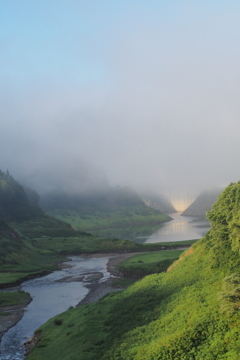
x=180 y=228
x=135 y=233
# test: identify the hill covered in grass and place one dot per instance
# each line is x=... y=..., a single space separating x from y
x=192 y=312
x=112 y=207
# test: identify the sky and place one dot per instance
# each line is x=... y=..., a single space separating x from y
x=143 y=93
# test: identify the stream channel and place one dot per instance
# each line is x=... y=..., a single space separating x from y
x=51 y=296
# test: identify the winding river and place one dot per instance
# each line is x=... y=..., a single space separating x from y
x=51 y=295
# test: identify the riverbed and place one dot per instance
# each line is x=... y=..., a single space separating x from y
x=53 y=294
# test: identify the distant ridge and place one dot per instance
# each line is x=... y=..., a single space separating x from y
x=203 y=203
x=113 y=207
x=90 y=202
x=158 y=202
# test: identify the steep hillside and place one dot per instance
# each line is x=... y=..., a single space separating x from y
x=110 y=208
x=158 y=202
x=192 y=312
x=14 y=203
x=202 y=203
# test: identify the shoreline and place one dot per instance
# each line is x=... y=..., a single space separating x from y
x=15 y=314
x=96 y=291
x=99 y=290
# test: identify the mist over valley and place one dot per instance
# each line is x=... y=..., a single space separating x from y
x=119 y=180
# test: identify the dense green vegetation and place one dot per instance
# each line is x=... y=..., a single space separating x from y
x=122 y=216
x=149 y=263
x=189 y=313
x=19 y=258
x=13 y=298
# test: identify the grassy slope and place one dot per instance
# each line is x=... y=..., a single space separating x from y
x=189 y=313
x=19 y=258
x=110 y=217
x=149 y=263
x=11 y=299
x=34 y=247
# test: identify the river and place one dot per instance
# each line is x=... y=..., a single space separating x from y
x=51 y=296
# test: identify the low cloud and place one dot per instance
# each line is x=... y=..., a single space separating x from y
x=163 y=115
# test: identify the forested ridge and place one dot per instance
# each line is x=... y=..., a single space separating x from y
x=189 y=313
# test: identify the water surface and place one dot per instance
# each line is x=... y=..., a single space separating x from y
x=50 y=298
x=180 y=228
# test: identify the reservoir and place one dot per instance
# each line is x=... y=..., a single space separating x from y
x=52 y=296
x=180 y=228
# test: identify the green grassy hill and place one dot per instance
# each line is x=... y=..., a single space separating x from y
x=112 y=208
x=192 y=312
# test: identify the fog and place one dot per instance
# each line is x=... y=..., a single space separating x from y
x=141 y=93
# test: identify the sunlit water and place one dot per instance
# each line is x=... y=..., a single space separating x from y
x=180 y=228
x=49 y=299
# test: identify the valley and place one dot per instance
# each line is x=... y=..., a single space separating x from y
x=180 y=305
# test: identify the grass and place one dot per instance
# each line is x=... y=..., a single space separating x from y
x=38 y=245
x=189 y=313
x=174 y=315
x=13 y=298
x=149 y=263
x=122 y=282
x=109 y=217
